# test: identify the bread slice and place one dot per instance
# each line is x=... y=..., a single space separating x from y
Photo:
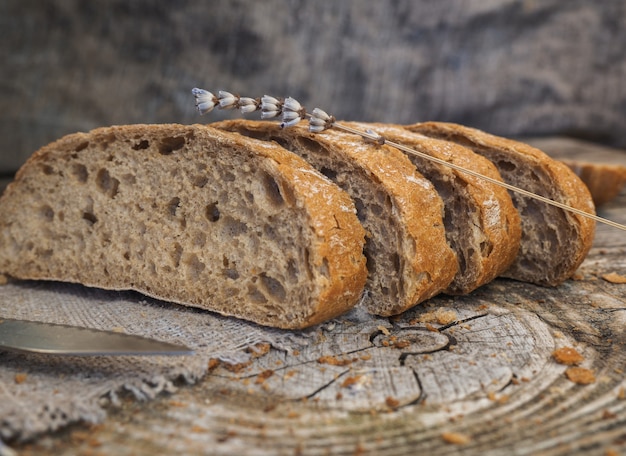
x=408 y=258
x=188 y=214
x=482 y=225
x=554 y=241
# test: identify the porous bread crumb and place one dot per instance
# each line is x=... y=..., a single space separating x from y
x=439 y=316
x=264 y=376
x=614 y=277
x=568 y=356
x=456 y=438
x=334 y=361
x=580 y=375
x=392 y=402
x=349 y=381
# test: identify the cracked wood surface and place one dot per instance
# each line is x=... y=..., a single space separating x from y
x=459 y=375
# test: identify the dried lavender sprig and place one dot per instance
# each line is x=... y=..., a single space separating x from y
x=319 y=121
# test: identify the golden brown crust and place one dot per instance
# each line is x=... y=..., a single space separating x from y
x=337 y=235
x=433 y=264
x=559 y=183
x=498 y=220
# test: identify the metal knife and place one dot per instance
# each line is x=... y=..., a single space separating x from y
x=48 y=338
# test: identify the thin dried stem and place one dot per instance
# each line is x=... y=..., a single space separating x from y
x=292 y=113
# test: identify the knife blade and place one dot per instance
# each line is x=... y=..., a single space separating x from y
x=48 y=338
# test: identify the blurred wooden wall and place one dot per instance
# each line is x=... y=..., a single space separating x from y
x=511 y=67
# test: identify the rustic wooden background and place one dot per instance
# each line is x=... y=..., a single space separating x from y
x=513 y=67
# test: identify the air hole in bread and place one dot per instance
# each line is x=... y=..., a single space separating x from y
x=292 y=269
x=45 y=253
x=395 y=260
x=81 y=146
x=231 y=273
x=212 y=213
x=200 y=181
x=272 y=191
x=273 y=287
x=376 y=210
x=269 y=231
x=171 y=144
x=280 y=141
x=46 y=212
x=228 y=177
x=194 y=266
x=330 y=173
x=360 y=209
x=47 y=170
x=506 y=166
x=106 y=183
x=173 y=206
x=141 y=145
x=90 y=217
x=485 y=248
x=324 y=268
x=126 y=256
x=176 y=254
x=255 y=295
x=129 y=179
x=313 y=146
x=233 y=227
x=369 y=260
x=79 y=171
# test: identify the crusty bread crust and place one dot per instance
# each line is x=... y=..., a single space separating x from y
x=554 y=241
x=43 y=211
x=481 y=222
x=427 y=263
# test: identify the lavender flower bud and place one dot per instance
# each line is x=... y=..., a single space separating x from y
x=248 y=105
x=227 y=100
x=293 y=112
x=320 y=121
x=205 y=100
x=270 y=107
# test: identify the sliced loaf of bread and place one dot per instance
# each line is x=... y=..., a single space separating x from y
x=554 y=241
x=189 y=214
x=482 y=225
x=408 y=258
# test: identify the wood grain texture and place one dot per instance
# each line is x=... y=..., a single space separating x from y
x=477 y=370
x=510 y=67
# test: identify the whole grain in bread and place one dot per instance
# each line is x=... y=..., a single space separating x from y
x=189 y=214
x=482 y=225
x=408 y=258
x=554 y=241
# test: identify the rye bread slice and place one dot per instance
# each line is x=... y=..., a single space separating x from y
x=482 y=225
x=408 y=259
x=189 y=214
x=554 y=241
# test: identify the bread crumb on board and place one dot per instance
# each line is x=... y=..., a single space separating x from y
x=568 y=356
x=614 y=277
x=456 y=438
x=439 y=316
x=580 y=375
x=20 y=378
